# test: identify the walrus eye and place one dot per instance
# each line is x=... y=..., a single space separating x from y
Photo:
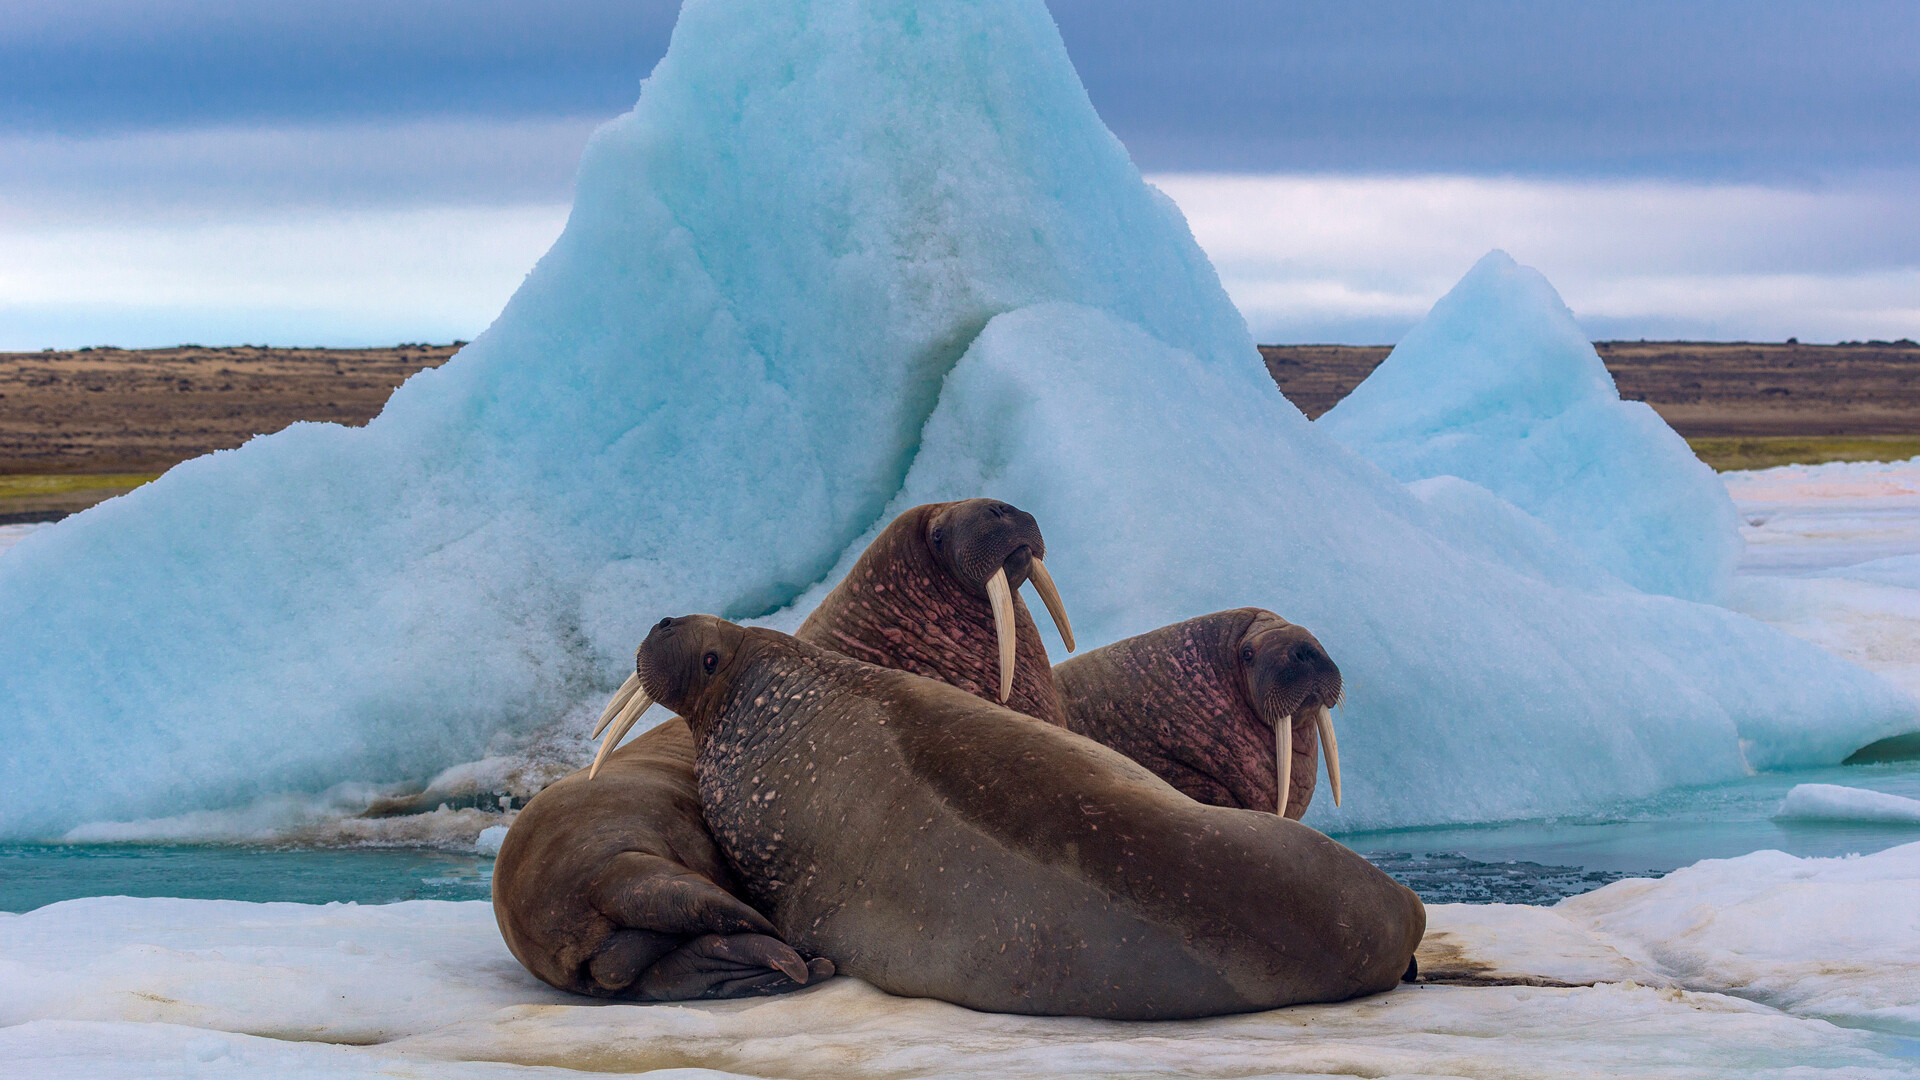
x=937 y=537
x=710 y=662
x=1246 y=656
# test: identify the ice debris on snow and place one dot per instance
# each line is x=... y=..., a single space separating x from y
x=843 y=256
x=1498 y=385
x=489 y=841
x=115 y=987
x=1833 y=802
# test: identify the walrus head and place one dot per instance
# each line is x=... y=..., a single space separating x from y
x=677 y=666
x=991 y=548
x=937 y=593
x=1290 y=681
x=1230 y=708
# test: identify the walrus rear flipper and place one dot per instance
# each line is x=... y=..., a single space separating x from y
x=601 y=881
x=722 y=966
x=657 y=901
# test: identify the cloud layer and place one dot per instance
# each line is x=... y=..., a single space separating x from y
x=1307 y=258
x=1360 y=259
x=221 y=170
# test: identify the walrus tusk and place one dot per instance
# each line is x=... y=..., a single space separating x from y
x=637 y=704
x=1324 y=721
x=1043 y=584
x=620 y=699
x=1001 y=595
x=1283 y=750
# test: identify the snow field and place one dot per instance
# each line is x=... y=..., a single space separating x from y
x=1833 y=556
x=113 y=987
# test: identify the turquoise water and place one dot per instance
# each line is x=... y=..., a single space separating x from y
x=1514 y=862
x=1651 y=836
x=32 y=875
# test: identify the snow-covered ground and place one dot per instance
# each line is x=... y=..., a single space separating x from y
x=1760 y=966
x=1833 y=556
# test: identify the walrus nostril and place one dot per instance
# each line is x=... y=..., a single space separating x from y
x=1304 y=653
x=663 y=623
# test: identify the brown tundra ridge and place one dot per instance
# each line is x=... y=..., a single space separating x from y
x=79 y=426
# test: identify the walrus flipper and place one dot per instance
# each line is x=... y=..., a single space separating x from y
x=601 y=881
x=658 y=902
x=730 y=966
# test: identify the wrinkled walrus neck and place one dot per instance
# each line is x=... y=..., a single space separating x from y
x=899 y=608
x=1188 y=670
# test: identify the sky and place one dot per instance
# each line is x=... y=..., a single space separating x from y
x=359 y=172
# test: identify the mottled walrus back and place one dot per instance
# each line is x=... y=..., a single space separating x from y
x=939 y=845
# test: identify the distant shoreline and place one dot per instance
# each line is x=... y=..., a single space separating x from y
x=78 y=426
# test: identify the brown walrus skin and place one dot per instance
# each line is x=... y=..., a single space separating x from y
x=1199 y=703
x=939 y=845
x=613 y=887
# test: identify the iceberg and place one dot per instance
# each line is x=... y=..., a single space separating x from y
x=713 y=382
x=1499 y=386
x=842 y=257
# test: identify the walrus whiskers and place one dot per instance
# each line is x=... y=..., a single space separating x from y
x=1001 y=596
x=1043 y=584
x=637 y=702
x=620 y=699
x=1330 y=749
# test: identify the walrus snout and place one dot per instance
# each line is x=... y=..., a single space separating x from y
x=992 y=547
x=1290 y=679
x=673 y=667
x=977 y=538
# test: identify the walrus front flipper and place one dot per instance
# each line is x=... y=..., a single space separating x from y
x=649 y=892
x=729 y=966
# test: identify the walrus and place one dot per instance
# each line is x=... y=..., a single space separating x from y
x=615 y=888
x=937 y=844
x=1206 y=703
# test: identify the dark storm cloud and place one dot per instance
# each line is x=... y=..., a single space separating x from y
x=1688 y=88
